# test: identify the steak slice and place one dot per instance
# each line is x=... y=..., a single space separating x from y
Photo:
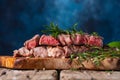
x=85 y=38
x=48 y=40
x=92 y=40
x=22 y=52
x=56 y=52
x=61 y=39
x=68 y=51
x=80 y=39
x=65 y=39
x=32 y=43
x=50 y=51
x=77 y=39
x=40 y=52
x=95 y=41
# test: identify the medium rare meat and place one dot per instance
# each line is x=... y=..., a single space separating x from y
x=65 y=39
x=40 y=52
x=74 y=39
x=32 y=43
x=85 y=38
x=92 y=40
x=95 y=41
x=80 y=39
x=77 y=39
x=62 y=46
x=22 y=52
x=48 y=40
x=56 y=52
x=61 y=39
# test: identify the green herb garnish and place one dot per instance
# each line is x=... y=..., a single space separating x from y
x=94 y=34
x=72 y=56
x=53 y=30
x=98 y=55
x=73 y=28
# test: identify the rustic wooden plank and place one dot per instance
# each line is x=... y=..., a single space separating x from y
x=57 y=63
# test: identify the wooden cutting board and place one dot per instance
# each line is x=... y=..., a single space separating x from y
x=57 y=63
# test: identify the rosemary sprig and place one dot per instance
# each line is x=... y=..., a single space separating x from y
x=94 y=34
x=74 y=29
x=98 y=55
x=53 y=30
x=72 y=56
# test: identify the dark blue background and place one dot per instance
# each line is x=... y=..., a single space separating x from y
x=22 y=19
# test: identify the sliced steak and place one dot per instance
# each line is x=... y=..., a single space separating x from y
x=95 y=41
x=74 y=39
x=68 y=51
x=48 y=40
x=50 y=51
x=56 y=52
x=22 y=52
x=86 y=38
x=77 y=39
x=65 y=39
x=74 y=49
x=61 y=39
x=40 y=52
x=83 y=49
x=80 y=39
x=32 y=43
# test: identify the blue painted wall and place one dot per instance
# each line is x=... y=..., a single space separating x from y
x=21 y=19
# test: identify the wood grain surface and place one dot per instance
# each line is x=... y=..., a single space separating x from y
x=57 y=63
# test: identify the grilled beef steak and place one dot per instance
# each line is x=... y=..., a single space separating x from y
x=23 y=51
x=48 y=40
x=50 y=51
x=62 y=46
x=32 y=43
x=40 y=52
